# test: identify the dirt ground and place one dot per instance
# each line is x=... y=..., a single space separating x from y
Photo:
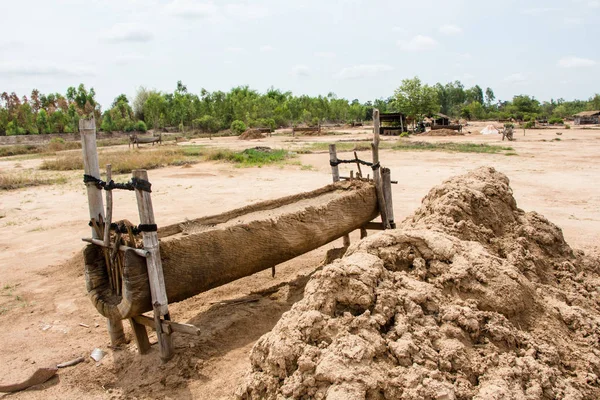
x=46 y=317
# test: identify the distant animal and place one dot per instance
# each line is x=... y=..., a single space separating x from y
x=508 y=133
x=135 y=140
x=559 y=133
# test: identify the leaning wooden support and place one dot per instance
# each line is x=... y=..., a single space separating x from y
x=87 y=128
x=335 y=173
x=156 y=277
x=168 y=326
x=387 y=194
x=97 y=242
x=376 y=171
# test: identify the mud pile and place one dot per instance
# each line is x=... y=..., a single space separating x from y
x=251 y=134
x=471 y=298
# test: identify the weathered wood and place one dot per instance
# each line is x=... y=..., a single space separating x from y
x=358 y=165
x=168 y=325
x=97 y=242
x=109 y=207
x=377 y=172
x=156 y=277
x=141 y=335
x=387 y=194
x=205 y=253
x=70 y=363
x=335 y=173
x=87 y=129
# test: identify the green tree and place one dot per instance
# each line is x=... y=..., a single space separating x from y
x=42 y=122
x=489 y=97
x=415 y=99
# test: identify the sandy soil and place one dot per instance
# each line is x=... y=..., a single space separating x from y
x=42 y=291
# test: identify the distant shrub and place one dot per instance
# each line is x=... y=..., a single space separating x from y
x=567 y=126
x=556 y=120
x=404 y=134
x=529 y=125
x=106 y=125
x=56 y=144
x=314 y=122
x=141 y=126
x=238 y=127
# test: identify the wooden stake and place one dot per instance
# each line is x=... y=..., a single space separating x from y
x=335 y=173
x=377 y=173
x=360 y=175
x=386 y=177
x=109 y=207
x=87 y=129
x=141 y=336
x=155 y=271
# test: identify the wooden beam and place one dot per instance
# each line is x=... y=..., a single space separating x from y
x=87 y=129
x=335 y=173
x=387 y=193
x=168 y=326
x=155 y=271
x=377 y=172
x=374 y=226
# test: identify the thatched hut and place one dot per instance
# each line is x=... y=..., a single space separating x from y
x=587 y=118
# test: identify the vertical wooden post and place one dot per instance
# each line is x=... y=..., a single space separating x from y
x=377 y=171
x=155 y=271
x=335 y=173
x=386 y=177
x=109 y=207
x=87 y=129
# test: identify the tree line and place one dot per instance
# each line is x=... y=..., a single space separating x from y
x=243 y=107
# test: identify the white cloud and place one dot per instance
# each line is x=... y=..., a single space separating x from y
x=575 y=62
x=266 y=48
x=300 y=71
x=450 y=29
x=573 y=21
x=128 y=33
x=418 y=43
x=325 y=54
x=363 y=71
x=594 y=4
x=126 y=59
x=539 y=10
x=247 y=10
x=235 y=50
x=44 y=69
x=191 y=9
x=515 y=78
x=400 y=29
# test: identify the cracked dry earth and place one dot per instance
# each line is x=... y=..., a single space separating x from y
x=470 y=298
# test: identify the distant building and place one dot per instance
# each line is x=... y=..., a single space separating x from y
x=392 y=123
x=587 y=118
x=441 y=119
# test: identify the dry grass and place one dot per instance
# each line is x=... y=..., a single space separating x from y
x=123 y=161
x=21 y=179
x=126 y=161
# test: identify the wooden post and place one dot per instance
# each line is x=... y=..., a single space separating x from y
x=155 y=271
x=109 y=208
x=335 y=173
x=386 y=177
x=377 y=171
x=87 y=129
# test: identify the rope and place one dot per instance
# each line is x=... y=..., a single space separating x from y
x=133 y=184
x=367 y=163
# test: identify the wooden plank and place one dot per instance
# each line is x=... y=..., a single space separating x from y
x=335 y=173
x=141 y=336
x=373 y=226
x=377 y=172
x=387 y=193
x=155 y=270
x=109 y=208
x=168 y=325
x=91 y=166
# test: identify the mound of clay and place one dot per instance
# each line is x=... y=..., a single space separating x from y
x=442 y=132
x=251 y=134
x=471 y=298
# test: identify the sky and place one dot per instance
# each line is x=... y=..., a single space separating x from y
x=354 y=48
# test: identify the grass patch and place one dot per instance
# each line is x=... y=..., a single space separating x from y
x=451 y=147
x=323 y=147
x=248 y=157
x=17 y=180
